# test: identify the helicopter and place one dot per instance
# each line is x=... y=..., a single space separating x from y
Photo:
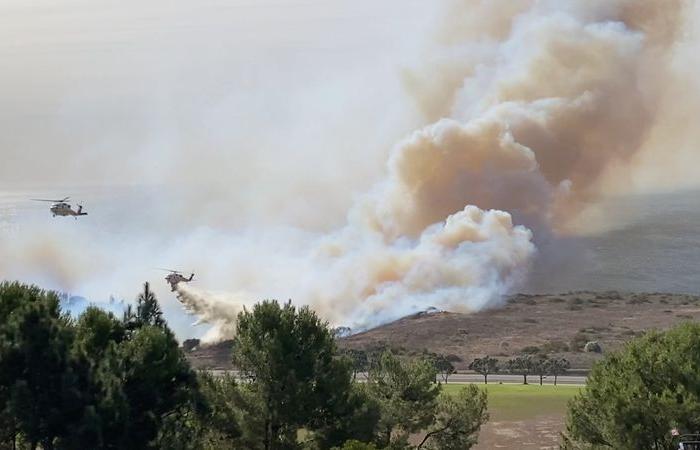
x=175 y=277
x=61 y=208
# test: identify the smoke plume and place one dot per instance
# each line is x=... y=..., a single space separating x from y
x=525 y=113
x=549 y=96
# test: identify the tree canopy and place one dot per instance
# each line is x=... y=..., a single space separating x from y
x=485 y=366
x=290 y=361
x=94 y=382
x=636 y=396
x=102 y=382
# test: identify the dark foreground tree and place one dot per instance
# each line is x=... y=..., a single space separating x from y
x=633 y=398
x=91 y=383
x=211 y=424
x=38 y=392
x=458 y=419
x=358 y=359
x=294 y=378
x=485 y=366
x=407 y=395
x=414 y=412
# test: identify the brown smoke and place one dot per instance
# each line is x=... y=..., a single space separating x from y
x=575 y=86
x=536 y=104
x=532 y=111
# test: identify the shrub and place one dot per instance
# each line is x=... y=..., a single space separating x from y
x=531 y=350
x=579 y=341
x=593 y=347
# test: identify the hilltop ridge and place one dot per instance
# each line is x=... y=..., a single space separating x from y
x=558 y=324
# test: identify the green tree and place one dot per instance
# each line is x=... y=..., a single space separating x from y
x=541 y=366
x=521 y=365
x=359 y=360
x=96 y=382
x=38 y=388
x=147 y=311
x=211 y=423
x=458 y=420
x=634 y=397
x=157 y=382
x=558 y=366
x=485 y=366
x=407 y=394
x=293 y=374
x=443 y=366
x=98 y=335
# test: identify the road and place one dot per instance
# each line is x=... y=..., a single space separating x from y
x=515 y=379
x=493 y=379
x=509 y=379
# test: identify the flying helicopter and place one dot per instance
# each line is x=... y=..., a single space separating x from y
x=175 y=277
x=61 y=208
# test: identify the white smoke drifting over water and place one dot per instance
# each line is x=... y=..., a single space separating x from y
x=534 y=109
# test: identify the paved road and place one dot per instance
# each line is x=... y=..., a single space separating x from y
x=509 y=379
x=493 y=379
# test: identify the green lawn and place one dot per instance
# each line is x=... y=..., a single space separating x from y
x=511 y=402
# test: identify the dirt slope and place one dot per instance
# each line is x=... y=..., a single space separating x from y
x=558 y=324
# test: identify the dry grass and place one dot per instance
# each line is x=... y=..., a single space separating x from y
x=559 y=324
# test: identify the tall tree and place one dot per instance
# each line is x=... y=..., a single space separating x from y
x=541 y=366
x=485 y=366
x=407 y=395
x=633 y=398
x=558 y=366
x=147 y=310
x=38 y=387
x=139 y=380
x=521 y=365
x=443 y=366
x=157 y=381
x=89 y=383
x=458 y=419
x=289 y=360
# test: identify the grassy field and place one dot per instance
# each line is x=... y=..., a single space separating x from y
x=523 y=417
x=513 y=402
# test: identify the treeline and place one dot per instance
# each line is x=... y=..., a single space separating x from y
x=540 y=365
x=105 y=382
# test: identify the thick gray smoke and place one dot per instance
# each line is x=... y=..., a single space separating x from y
x=524 y=114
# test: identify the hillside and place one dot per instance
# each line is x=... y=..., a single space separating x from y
x=559 y=324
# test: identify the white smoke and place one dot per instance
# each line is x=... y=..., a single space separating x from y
x=531 y=111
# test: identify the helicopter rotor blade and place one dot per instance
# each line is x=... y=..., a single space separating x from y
x=52 y=201
x=168 y=270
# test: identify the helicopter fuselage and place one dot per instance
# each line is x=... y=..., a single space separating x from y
x=64 y=209
x=174 y=278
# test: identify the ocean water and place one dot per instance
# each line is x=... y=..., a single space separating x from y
x=655 y=248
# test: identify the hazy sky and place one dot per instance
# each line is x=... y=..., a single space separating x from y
x=326 y=150
x=123 y=92
x=238 y=112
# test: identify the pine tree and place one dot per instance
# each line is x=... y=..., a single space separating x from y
x=147 y=313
